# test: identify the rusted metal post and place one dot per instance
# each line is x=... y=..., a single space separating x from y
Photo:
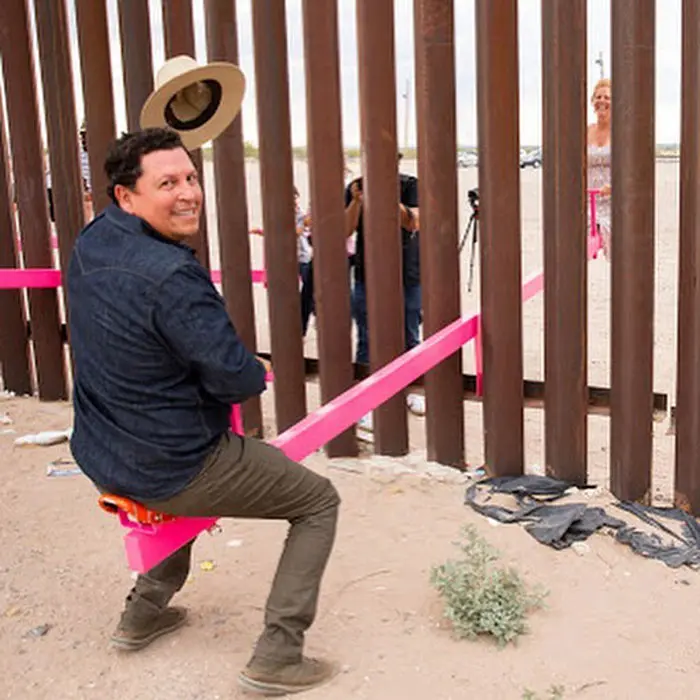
x=14 y=346
x=30 y=191
x=232 y=212
x=135 y=33
x=332 y=292
x=277 y=182
x=633 y=164
x=437 y=146
x=97 y=89
x=178 y=27
x=179 y=40
x=61 y=126
x=687 y=491
x=565 y=263
x=380 y=215
x=499 y=191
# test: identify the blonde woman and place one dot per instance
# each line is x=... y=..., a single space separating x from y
x=599 y=173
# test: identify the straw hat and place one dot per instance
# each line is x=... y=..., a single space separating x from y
x=198 y=102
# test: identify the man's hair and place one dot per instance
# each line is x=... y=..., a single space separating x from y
x=123 y=162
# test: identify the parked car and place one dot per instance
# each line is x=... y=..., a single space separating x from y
x=466 y=159
x=532 y=159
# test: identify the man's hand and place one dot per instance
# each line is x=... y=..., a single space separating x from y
x=605 y=191
x=409 y=218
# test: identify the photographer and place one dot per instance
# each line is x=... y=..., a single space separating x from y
x=408 y=209
x=410 y=246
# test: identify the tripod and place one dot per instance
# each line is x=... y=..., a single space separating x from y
x=473 y=226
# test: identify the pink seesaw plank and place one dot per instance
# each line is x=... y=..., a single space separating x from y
x=34 y=278
x=145 y=549
x=48 y=278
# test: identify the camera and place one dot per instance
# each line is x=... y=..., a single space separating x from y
x=473 y=196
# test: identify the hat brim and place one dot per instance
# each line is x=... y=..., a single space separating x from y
x=232 y=82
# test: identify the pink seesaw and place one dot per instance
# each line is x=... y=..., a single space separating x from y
x=154 y=538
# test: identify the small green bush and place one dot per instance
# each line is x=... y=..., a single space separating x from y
x=480 y=597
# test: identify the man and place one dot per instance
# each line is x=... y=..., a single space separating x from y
x=158 y=365
x=410 y=248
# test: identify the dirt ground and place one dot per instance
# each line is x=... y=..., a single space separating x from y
x=616 y=626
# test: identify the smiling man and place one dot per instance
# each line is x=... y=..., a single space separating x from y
x=157 y=366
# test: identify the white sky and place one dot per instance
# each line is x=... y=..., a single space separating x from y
x=668 y=40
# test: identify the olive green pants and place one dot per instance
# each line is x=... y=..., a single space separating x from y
x=246 y=478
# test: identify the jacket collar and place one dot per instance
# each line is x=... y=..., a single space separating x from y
x=136 y=225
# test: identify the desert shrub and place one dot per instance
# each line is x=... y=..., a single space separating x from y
x=480 y=597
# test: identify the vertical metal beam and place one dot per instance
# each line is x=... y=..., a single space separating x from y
x=14 y=345
x=93 y=36
x=380 y=216
x=277 y=182
x=178 y=27
x=135 y=33
x=633 y=164
x=61 y=126
x=332 y=292
x=232 y=212
x=499 y=189
x=565 y=264
x=179 y=40
x=30 y=190
x=437 y=146
x=688 y=382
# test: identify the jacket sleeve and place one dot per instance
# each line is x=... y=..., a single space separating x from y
x=191 y=317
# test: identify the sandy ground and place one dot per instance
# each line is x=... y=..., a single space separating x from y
x=615 y=627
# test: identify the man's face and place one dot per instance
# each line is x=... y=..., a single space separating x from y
x=167 y=196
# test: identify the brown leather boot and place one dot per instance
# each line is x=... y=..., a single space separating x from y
x=276 y=679
x=138 y=631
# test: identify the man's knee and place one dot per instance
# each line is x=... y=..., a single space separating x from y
x=330 y=495
x=323 y=507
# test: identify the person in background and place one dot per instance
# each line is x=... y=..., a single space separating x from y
x=599 y=159
x=409 y=216
x=88 y=211
x=88 y=207
x=305 y=259
x=351 y=245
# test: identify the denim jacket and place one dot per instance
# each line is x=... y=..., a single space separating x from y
x=157 y=361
